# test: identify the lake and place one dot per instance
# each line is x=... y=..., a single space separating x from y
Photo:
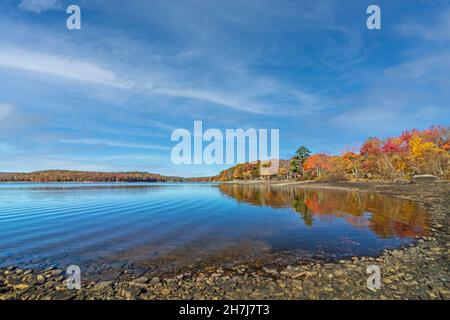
x=161 y=226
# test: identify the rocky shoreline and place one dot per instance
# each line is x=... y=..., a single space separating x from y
x=418 y=271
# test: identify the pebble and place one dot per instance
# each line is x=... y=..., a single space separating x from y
x=155 y=280
x=339 y=273
x=140 y=280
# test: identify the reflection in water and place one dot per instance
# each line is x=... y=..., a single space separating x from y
x=385 y=216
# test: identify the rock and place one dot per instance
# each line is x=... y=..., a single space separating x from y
x=408 y=277
x=444 y=293
x=103 y=285
x=339 y=273
x=328 y=289
x=165 y=292
x=270 y=271
x=308 y=284
x=155 y=280
x=131 y=292
x=21 y=286
x=216 y=275
x=56 y=272
x=61 y=288
x=140 y=280
x=9 y=296
x=297 y=284
x=424 y=178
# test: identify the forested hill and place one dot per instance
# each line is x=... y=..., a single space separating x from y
x=85 y=176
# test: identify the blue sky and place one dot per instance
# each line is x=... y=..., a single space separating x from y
x=108 y=97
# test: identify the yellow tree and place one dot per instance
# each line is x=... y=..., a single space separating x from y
x=427 y=157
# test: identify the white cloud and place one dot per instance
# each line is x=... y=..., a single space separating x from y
x=413 y=93
x=214 y=79
x=213 y=97
x=88 y=72
x=56 y=65
x=251 y=101
x=284 y=101
x=438 y=31
x=227 y=82
x=431 y=68
x=39 y=6
x=112 y=143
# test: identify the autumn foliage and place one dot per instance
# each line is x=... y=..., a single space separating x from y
x=413 y=152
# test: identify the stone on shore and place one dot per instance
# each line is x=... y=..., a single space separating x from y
x=424 y=178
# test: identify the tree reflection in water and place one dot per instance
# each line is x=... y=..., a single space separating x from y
x=386 y=216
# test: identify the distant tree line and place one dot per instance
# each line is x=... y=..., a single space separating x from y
x=85 y=176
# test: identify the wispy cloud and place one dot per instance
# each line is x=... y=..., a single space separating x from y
x=60 y=66
x=413 y=93
x=438 y=30
x=89 y=72
x=112 y=143
x=39 y=6
x=223 y=99
x=203 y=71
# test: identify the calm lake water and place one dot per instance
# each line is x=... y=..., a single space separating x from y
x=101 y=226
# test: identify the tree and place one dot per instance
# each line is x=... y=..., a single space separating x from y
x=302 y=154
x=317 y=165
x=371 y=147
x=427 y=157
x=299 y=159
x=295 y=166
x=370 y=152
x=351 y=163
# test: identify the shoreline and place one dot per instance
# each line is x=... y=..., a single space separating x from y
x=416 y=271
